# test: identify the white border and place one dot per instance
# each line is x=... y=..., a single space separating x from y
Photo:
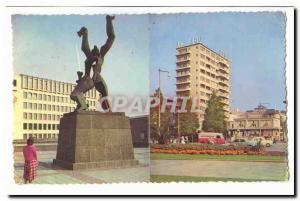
x=260 y=188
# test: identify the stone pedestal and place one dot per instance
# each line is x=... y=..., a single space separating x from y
x=92 y=139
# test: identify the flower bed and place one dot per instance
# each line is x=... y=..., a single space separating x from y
x=209 y=149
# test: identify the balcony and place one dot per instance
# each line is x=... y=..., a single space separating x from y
x=223 y=95
x=223 y=64
x=183 y=75
x=183 y=68
x=223 y=70
x=180 y=82
x=178 y=54
x=182 y=59
x=185 y=89
x=223 y=84
x=223 y=76
x=223 y=89
x=225 y=101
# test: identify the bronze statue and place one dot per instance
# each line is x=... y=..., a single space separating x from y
x=94 y=59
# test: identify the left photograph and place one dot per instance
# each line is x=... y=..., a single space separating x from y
x=80 y=106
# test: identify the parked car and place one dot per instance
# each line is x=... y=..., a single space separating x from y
x=209 y=137
x=263 y=141
x=244 y=142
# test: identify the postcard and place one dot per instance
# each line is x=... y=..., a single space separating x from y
x=175 y=97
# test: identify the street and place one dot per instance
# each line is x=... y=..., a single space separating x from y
x=282 y=147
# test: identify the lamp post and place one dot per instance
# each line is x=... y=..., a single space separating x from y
x=159 y=81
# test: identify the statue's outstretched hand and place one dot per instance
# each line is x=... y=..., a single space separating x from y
x=110 y=17
x=82 y=31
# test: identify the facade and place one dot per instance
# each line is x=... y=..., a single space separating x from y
x=258 y=122
x=199 y=72
x=139 y=131
x=39 y=104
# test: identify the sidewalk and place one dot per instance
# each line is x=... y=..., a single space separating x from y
x=49 y=174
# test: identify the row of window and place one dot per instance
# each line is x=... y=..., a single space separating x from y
x=185 y=72
x=211 y=53
x=44 y=97
x=46 y=85
x=205 y=51
x=45 y=107
x=41 y=136
x=57 y=108
x=49 y=85
x=206 y=80
x=45 y=117
x=36 y=126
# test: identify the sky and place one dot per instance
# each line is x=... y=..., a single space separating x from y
x=45 y=46
x=254 y=43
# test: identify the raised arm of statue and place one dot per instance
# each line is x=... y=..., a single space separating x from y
x=85 y=42
x=110 y=35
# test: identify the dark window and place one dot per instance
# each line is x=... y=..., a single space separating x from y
x=24 y=126
x=15 y=83
x=30 y=126
x=35 y=126
x=53 y=126
x=40 y=126
x=44 y=126
x=49 y=126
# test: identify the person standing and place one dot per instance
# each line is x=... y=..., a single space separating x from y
x=31 y=161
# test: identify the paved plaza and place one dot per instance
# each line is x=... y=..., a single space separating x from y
x=49 y=174
x=221 y=169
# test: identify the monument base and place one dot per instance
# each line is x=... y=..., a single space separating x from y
x=90 y=139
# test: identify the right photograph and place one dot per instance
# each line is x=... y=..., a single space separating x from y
x=218 y=97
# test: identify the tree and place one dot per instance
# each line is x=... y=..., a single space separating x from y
x=165 y=121
x=188 y=121
x=214 y=118
x=283 y=125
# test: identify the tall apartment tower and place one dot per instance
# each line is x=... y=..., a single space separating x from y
x=199 y=72
x=39 y=103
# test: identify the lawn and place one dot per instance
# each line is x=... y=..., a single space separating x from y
x=167 y=178
x=161 y=156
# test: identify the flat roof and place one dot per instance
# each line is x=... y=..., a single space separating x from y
x=205 y=47
x=48 y=79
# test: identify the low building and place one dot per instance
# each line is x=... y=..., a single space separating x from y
x=258 y=122
x=39 y=103
x=140 y=131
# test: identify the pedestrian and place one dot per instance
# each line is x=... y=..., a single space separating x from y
x=182 y=140
x=186 y=139
x=31 y=162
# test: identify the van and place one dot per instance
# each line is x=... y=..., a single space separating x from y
x=210 y=137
